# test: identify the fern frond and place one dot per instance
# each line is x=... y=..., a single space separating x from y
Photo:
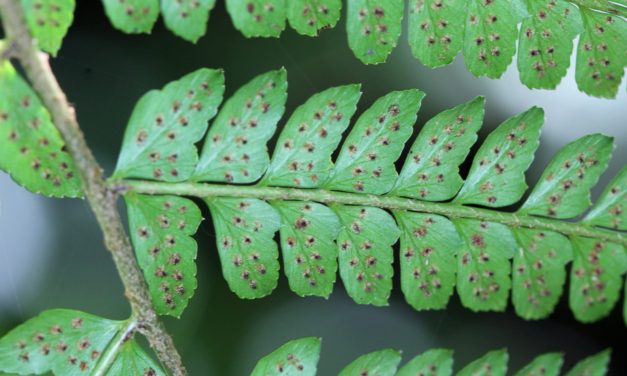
x=187 y=18
x=354 y=209
x=250 y=272
x=301 y=357
x=165 y=248
x=546 y=42
x=374 y=28
x=382 y=362
x=49 y=21
x=298 y=356
x=492 y=363
x=132 y=16
x=309 y=17
x=595 y=364
x=434 y=362
x=550 y=364
x=485 y=32
x=67 y=342
x=133 y=360
x=258 y=18
x=609 y=209
x=32 y=150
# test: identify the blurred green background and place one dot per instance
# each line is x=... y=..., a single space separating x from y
x=52 y=255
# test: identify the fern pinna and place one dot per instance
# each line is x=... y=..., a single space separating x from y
x=68 y=342
x=486 y=32
x=348 y=214
x=300 y=357
x=353 y=209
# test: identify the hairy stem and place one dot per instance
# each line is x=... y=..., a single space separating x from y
x=449 y=210
x=101 y=199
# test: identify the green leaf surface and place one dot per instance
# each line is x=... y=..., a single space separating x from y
x=497 y=174
x=133 y=360
x=132 y=16
x=594 y=365
x=61 y=341
x=295 y=358
x=258 y=18
x=435 y=362
x=563 y=190
x=493 y=363
x=31 y=148
x=545 y=42
x=483 y=280
x=308 y=17
x=365 y=252
x=377 y=363
x=244 y=234
x=431 y=171
x=435 y=35
x=300 y=357
x=601 y=54
x=235 y=150
x=610 y=209
x=539 y=271
x=595 y=279
x=302 y=157
x=429 y=245
x=308 y=233
x=306 y=193
x=161 y=229
x=490 y=35
x=373 y=28
x=544 y=365
x=49 y=21
x=187 y=18
x=366 y=160
x=160 y=136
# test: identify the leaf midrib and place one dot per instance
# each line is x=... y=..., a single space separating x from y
x=447 y=209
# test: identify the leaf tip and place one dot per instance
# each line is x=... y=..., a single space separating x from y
x=479 y=99
x=536 y=110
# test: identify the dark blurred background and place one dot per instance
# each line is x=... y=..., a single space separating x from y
x=51 y=251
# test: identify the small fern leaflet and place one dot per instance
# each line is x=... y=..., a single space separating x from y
x=49 y=21
x=31 y=148
x=132 y=16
